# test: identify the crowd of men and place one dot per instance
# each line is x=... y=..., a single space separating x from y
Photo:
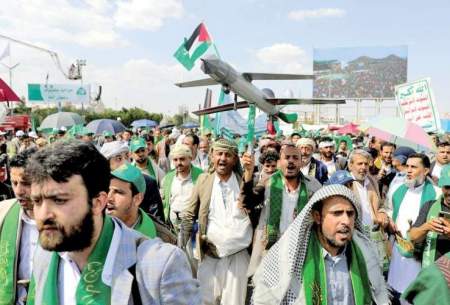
x=170 y=217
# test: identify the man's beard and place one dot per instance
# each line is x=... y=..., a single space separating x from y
x=142 y=160
x=360 y=177
x=76 y=238
x=335 y=243
x=415 y=182
x=181 y=169
x=306 y=160
x=328 y=155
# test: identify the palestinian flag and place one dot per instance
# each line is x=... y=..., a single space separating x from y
x=194 y=47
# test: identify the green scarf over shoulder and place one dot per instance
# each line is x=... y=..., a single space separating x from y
x=145 y=225
x=315 y=279
x=150 y=170
x=8 y=253
x=167 y=187
x=429 y=253
x=90 y=289
x=276 y=206
x=428 y=194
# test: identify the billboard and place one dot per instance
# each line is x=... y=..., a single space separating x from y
x=359 y=72
x=56 y=93
x=416 y=103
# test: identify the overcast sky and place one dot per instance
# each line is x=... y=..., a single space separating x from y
x=128 y=45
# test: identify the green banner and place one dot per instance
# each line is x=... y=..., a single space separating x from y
x=251 y=127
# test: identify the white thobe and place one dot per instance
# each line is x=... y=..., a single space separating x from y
x=28 y=242
x=403 y=270
x=224 y=280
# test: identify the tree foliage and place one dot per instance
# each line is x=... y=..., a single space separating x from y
x=127 y=116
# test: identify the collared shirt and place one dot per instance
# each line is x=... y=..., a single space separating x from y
x=339 y=284
x=28 y=242
x=180 y=193
x=69 y=274
x=366 y=206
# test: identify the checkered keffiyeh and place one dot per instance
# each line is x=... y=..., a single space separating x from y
x=281 y=268
x=224 y=144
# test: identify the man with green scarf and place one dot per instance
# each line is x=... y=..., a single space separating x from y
x=431 y=231
x=87 y=257
x=178 y=184
x=141 y=159
x=282 y=197
x=126 y=192
x=407 y=201
x=324 y=258
x=18 y=234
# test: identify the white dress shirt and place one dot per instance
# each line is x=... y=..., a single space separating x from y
x=28 y=242
x=69 y=274
x=180 y=193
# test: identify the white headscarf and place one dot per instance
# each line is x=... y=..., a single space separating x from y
x=279 y=277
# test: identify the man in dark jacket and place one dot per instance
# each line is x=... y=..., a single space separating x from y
x=310 y=166
x=117 y=154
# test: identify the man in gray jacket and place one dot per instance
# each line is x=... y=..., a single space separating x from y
x=86 y=257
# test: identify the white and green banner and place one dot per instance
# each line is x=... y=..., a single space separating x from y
x=58 y=93
x=416 y=103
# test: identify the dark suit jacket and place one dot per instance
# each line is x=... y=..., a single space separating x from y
x=321 y=171
x=152 y=203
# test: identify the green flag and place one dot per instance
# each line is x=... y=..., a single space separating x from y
x=191 y=49
x=251 y=126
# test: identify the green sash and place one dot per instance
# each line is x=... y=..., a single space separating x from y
x=167 y=187
x=428 y=194
x=150 y=169
x=91 y=289
x=429 y=253
x=8 y=242
x=145 y=225
x=314 y=275
x=276 y=206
